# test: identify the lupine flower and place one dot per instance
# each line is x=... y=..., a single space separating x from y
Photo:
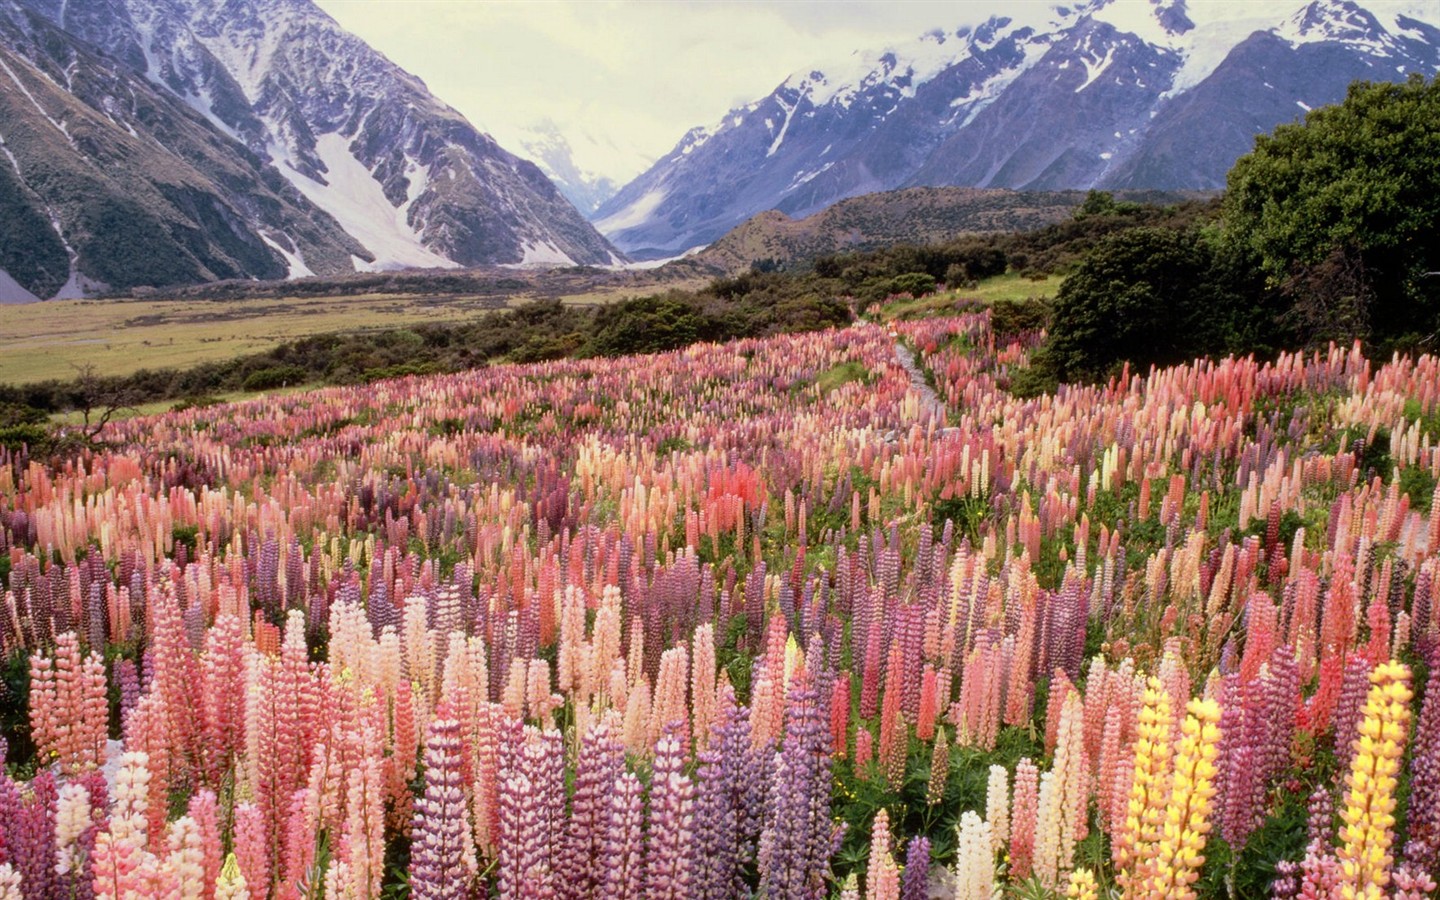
x=670 y=847
x=601 y=762
x=974 y=858
x=9 y=883
x=1024 y=813
x=623 y=861
x=1081 y=886
x=939 y=768
x=997 y=806
x=1422 y=849
x=1064 y=796
x=882 y=878
x=915 y=882
x=231 y=884
x=1368 y=820
x=799 y=837
x=442 y=854
x=1135 y=839
x=1412 y=884
x=1180 y=851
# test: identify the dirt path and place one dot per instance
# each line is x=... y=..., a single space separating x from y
x=930 y=401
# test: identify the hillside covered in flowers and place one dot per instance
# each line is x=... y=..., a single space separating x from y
x=773 y=618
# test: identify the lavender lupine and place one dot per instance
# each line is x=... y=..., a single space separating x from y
x=601 y=760
x=729 y=802
x=1422 y=849
x=915 y=883
x=799 y=837
x=441 y=863
x=670 y=848
x=32 y=839
x=531 y=806
x=623 y=864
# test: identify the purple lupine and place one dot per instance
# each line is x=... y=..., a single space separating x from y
x=799 y=837
x=9 y=811
x=441 y=833
x=602 y=759
x=729 y=802
x=1422 y=849
x=622 y=873
x=32 y=837
x=670 y=847
x=1320 y=816
x=1348 y=708
x=915 y=885
x=532 y=791
x=1286 y=885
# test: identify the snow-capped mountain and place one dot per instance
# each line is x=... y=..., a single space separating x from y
x=1104 y=93
x=258 y=139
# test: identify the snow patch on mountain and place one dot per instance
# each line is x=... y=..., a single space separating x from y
x=542 y=253
x=353 y=196
x=633 y=214
x=294 y=260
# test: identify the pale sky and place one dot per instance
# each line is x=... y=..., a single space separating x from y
x=624 y=79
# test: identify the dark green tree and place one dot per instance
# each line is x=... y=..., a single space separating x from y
x=1144 y=295
x=1341 y=213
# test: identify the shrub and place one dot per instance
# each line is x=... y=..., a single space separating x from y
x=274 y=377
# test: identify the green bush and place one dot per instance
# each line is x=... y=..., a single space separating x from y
x=916 y=284
x=274 y=377
x=32 y=435
x=1340 y=211
x=1145 y=295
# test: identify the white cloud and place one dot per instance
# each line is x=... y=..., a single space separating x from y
x=626 y=78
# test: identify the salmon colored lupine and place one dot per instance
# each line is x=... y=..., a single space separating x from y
x=1024 y=814
x=1135 y=839
x=68 y=707
x=882 y=877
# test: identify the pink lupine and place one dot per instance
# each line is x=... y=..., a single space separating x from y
x=1024 y=816
x=252 y=847
x=882 y=878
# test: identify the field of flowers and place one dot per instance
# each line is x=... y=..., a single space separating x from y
x=753 y=619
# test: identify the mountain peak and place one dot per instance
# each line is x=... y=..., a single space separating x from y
x=270 y=140
x=1100 y=93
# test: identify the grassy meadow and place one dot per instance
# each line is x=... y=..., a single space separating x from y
x=49 y=340
x=1010 y=286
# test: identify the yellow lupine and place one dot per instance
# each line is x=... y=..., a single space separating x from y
x=1368 y=820
x=1135 y=839
x=1082 y=886
x=231 y=884
x=1179 y=854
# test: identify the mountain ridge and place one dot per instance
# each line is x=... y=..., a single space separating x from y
x=916 y=215
x=300 y=149
x=1105 y=94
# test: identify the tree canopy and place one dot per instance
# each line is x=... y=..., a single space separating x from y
x=1340 y=213
x=1139 y=295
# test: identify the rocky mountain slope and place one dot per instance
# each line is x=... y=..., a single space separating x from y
x=169 y=141
x=1150 y=94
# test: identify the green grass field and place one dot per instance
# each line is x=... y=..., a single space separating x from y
x=1010 y=286
x=40 y=341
